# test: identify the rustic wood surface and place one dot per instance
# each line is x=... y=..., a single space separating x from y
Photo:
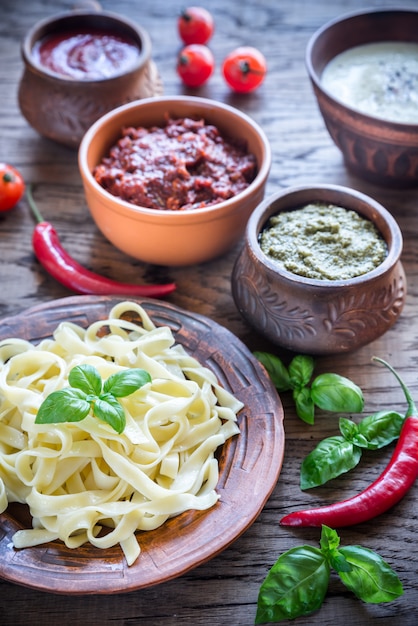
x=223 y=590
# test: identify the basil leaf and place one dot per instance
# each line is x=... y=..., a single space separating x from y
x=296 y=585
x=330 y=542
x=332 y=392
x=109 y=410
x=381 y=428
x=348 y=428
x=275 y=369
x=332 y=457
x=86 y=378
x=126 y=382
x=371 y=579
x=305 y=408
x=300 y=370
x=65 y=405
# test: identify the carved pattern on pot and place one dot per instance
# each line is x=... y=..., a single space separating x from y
x=355 y=313
x=267 y=308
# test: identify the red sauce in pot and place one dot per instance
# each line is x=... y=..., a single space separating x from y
x=86 y=55
x=185 y=164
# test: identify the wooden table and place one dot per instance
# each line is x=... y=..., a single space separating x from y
x=225 y=589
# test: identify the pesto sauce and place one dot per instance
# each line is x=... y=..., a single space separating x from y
x=323 y=242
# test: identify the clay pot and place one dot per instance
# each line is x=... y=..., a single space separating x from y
x=319 y=316
x=378 y=150
x=169 y=237
x=63 y=108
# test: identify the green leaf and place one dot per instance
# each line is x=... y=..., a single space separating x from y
x=380 y=429
x=300 y=370
x=305 y=408
x=296 y=585
x=332 y=457
x=371 y=579
x=275 y=369
x=126 y=382
x=348 y=428
x=65 y=405
x=332 y=392
x=330 y=542
x=109 y=410
x=86 y=378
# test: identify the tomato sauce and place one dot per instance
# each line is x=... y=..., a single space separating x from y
x=185 y=164
x=86 y=55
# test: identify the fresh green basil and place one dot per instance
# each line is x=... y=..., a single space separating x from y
x=380 y=429
x=332 y=457
x=370 y=577
x=297 y=583
x=301 y=368
x=305 y=407
x=339 y=454
x=332 y=392
x=87 y=393
x=276 y=370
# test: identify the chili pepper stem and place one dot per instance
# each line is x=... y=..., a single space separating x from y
x=33 y=206
x=412 y=409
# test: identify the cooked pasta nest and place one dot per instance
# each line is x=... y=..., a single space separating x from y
x=82 y=481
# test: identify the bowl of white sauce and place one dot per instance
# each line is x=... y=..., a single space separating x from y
x=364 y=72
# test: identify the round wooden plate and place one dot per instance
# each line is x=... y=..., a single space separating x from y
x=250 y=464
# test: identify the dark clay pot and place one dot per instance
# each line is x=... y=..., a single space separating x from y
x=63 y=108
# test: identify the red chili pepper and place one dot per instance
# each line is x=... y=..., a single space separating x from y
x=391 y=486
x=61 y=266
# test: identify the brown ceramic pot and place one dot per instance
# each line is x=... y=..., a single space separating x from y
x=63 y=108
x=319 y=316
x=378 y=150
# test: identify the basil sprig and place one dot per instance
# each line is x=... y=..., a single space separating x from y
x=330 y=392
x=297 y=583
x=88 y=393
x=336 y=455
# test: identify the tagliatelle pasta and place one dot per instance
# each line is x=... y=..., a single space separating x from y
x=82 y=478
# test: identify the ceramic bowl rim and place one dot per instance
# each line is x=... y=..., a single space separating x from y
x=171 y=216
x=262 y=212
x=46 y=25
x=316 y=78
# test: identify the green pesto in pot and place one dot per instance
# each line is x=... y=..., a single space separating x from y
x=323 y=242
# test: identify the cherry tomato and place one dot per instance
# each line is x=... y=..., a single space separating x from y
x=195 y=25
x=195 y=63
x=12 y=187
x=244 y=69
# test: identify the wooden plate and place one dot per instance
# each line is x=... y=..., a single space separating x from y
x=250 y=464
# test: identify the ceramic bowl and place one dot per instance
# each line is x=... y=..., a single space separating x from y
x=63 y=108
x=172 y=237
x=381 y=151
x=319 y=316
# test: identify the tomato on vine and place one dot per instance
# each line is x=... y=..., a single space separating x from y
x=12 y=186
x=195 y=25
x=195 y=63
x=244 y=69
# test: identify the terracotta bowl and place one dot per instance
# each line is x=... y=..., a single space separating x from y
x=172 y=237
x=319 y=316
x=380 y=151
x=63 y=108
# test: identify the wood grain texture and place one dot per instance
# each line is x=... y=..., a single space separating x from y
x=224 y=589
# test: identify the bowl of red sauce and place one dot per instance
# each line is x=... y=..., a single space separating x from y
x=173 y=180
x=80 y=64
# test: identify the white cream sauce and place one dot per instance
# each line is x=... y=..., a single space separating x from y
x=379 y=79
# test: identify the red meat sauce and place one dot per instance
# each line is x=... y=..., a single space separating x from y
x=185 y=164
